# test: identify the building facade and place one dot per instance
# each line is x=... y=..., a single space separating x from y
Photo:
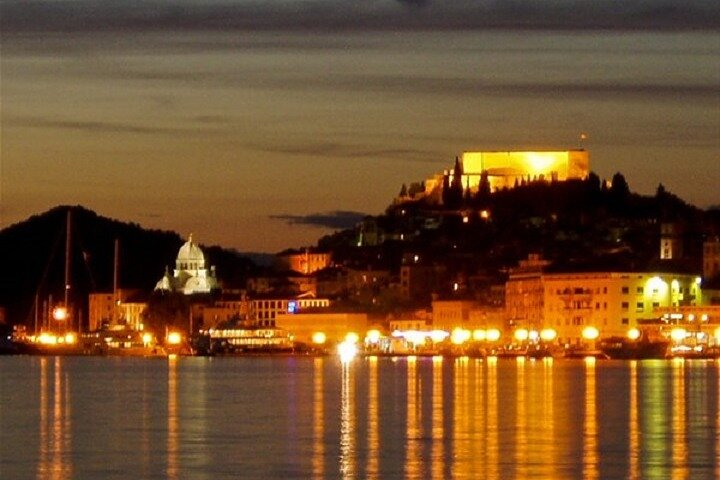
x=612 y=302
x=191 y=275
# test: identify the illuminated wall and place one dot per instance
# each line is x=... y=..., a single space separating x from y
x=305 y=262
x=610 y=301
x=504 y=169
x=335 y=326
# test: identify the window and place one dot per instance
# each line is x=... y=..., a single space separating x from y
x=639 y=290
x=656 y=305
x=625 y=290
x=604 y=289
x=625 y=305
x=639 y=307
x=625 y=321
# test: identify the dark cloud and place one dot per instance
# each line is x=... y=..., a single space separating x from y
x=345 y=151
x=89 y=126
x=337 y=220
x=84 y=15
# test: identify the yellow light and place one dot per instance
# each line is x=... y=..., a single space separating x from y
x=70 y=338
x=704 y=317
x=541 y=162
x=479 y=335
x=319 y=338
x=717 y=334
x=459 y=336
x=678 y=334
x=548 y=334
x=533 y=335
x=147 y=338
x=521 y=334
x=347 y=351
x=352 y=337
x=493 y=335
x=691 y=317
x=438 y=336
x=415 y=337
x=47 y=339
x=373 y=336
x=174 y=338
x=60 y=313
x=633 y=334
x=590 y=333
x=656 y=286
x=484 y=214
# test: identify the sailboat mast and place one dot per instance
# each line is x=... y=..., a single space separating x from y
x=68 y=262
x=116 y=280
x=68 y=239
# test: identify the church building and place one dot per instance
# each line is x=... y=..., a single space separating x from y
x=190 y=276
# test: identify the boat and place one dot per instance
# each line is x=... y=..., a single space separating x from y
x=124 y=342
x=623 y=348
x=237 y=337
x=696 y=352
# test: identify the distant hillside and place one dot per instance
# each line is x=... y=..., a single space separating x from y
x=576 y=224
x=34 y=258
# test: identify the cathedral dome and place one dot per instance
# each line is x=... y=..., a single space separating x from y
x=190 y=252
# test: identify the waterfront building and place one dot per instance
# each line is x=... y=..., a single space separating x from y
x=124 y=308
x=259 y=311
x=334 y=327
x=612 y=302
x=190 y=276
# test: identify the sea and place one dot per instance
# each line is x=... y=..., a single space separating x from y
x=369 y=418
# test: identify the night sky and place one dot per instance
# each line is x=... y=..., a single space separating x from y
x=263 y=125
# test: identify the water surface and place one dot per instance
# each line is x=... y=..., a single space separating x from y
x=415 y=418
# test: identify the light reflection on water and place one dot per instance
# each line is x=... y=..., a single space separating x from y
x=413 y=418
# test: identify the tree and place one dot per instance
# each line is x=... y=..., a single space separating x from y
x=403 y=191
x=619 y=188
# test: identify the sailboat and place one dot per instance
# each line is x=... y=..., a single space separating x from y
x=57 y=334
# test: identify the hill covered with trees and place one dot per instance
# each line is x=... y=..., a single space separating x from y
x=34 y=259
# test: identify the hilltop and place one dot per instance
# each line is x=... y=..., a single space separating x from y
x=34 y=258
x=576 y=224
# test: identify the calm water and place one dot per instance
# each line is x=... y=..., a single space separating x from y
x=271 y=418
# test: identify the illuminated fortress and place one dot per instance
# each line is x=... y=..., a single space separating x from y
x=510 y=169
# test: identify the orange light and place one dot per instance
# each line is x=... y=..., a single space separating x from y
x=548 y=334
x=493 y=335
x=174 y=338
x=60 y=313
x=319 y=338
x=678 y=334
x=521 y=334
x=459 y=336
x=633 y=334
x=590 y=333
x=479 y=335
x=373 y=336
